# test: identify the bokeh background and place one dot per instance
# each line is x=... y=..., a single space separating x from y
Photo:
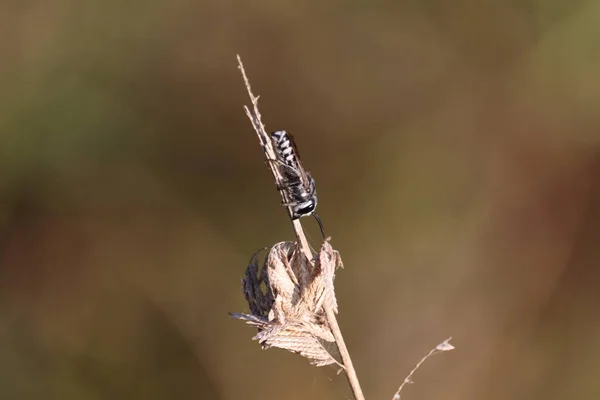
x=456 y=150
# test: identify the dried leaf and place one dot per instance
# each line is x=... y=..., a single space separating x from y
x=290 y=314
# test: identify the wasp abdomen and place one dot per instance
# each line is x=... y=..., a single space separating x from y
x=286 y=148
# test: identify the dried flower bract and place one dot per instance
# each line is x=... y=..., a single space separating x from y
x=287 y=297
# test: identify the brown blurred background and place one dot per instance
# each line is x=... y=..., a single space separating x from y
x=456 y=150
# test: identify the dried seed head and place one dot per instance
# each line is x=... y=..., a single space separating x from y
x=288 y=311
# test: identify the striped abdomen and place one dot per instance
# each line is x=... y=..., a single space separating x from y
x=286 y=148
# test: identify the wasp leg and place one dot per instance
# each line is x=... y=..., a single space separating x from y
x=275 y=160
x=281 y=163
x=282 y=186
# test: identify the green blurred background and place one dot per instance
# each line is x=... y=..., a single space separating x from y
x=455 y=146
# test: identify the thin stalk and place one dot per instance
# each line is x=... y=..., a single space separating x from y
x=259 y=128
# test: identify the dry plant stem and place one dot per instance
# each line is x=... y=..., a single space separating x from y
x=259 y=127
x=255 y=117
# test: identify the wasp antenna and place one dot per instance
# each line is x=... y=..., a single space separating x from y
x=320 y=224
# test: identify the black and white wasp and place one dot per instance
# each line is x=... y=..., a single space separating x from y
x=297 y=182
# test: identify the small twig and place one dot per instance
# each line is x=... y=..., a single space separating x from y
x=444 y=346
x=255 y=118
